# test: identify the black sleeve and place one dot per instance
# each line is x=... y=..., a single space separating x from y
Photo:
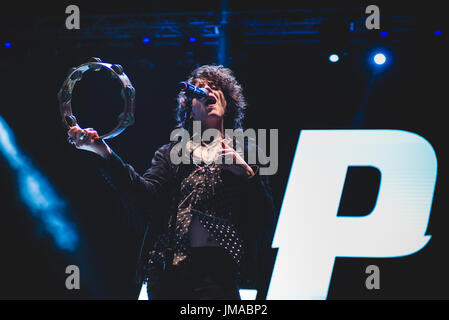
x=145 y=190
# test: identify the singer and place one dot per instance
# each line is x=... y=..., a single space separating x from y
x=208 y=225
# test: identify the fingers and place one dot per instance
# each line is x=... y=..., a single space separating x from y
x=72 y=131
x=250 y=171
x=92 y=133
x=225 y=146
x=82 y=137
x=72 y=134
x=230 y=156
x=227 y=157
x=228 y=151
x=235 y=155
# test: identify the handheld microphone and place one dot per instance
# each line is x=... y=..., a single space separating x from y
x=193 y=91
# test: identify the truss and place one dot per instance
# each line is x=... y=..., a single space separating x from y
x=206 y=26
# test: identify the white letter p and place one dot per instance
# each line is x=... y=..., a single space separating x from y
x=309 y=233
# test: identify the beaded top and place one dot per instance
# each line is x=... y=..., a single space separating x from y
x=204 y=195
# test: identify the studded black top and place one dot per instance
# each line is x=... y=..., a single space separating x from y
x=205 y=196
x=235 y=212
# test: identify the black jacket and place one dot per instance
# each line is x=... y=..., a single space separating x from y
x=154 y=194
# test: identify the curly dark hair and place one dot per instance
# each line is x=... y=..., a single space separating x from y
x=225 y=80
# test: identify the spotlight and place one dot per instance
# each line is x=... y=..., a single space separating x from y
x=437 y=32
x=146 y=40
x=384 y=34
x=380 y=58
x=248 y=294
x=7 y=44
x=334 y=58
x=192 y=39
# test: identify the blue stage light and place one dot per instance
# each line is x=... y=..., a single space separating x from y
x=384 y=34
x=437 y=32
x=380 y=58
x=37 y=193
x=7 y=44
x=334 y=58
x=192 y=39
x=146 y=40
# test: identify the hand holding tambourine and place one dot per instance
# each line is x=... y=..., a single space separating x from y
x=88 y=139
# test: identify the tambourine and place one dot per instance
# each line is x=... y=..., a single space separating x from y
x=128 y=93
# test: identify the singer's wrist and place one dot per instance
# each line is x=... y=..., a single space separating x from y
x=103 y=150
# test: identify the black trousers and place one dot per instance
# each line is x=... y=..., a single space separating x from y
x=209 y=275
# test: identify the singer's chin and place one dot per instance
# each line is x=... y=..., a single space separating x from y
x=213 y=113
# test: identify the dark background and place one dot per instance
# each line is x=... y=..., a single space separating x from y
x=289 y=84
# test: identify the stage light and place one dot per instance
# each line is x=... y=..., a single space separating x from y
x=192 y=39
x=334 y=58
x=37 y=193
x=245 y=294
x=384 y=34
x=146 y=40
x=248 y=294
x=143 y=295
x=380 y=58
x=7 y=44
x=437 y=32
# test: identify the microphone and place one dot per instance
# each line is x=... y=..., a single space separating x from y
x=193 y=91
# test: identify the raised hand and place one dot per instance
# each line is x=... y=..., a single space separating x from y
x=88 y=139
x=239 y=166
